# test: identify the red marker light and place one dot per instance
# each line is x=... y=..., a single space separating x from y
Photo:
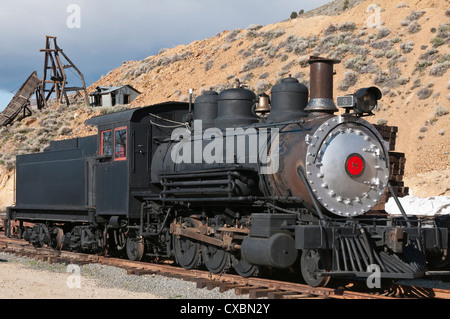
x=354 y=165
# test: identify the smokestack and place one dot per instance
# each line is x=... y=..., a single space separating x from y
x=321 y=82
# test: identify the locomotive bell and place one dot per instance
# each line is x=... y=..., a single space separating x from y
x=263 y=104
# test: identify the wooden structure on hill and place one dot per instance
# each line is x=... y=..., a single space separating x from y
x=55 y=74
x=20 y=101
x=113 y=95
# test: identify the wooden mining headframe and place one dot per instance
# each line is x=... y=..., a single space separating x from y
x=55 y=75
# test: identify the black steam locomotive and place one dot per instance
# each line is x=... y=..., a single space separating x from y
x=224 y=184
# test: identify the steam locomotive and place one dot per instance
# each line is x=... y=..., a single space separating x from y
x=231 y=181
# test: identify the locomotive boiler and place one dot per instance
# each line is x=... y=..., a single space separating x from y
x=231 y=185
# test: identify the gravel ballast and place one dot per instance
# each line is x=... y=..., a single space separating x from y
x=99 y=276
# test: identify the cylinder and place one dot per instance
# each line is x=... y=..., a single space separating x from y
x=289 y=99
x=235 y=108
x=205 y=108
x=277 y=251
x=321 y=85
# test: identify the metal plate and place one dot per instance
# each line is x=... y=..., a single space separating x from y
x=347 y=165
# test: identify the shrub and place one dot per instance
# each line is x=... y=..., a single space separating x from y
x=414 y=27
x=247 y=77
x=272 y=34
x=405 y=23
x=392 y=54
x=360 y=65
x=407 y=47
x=331 y=29
x=253 y=63
x=402 y=80
x=294 y=15
x=430 y=55
x=444 y=30
x=232 y=35
x=347 y=27
x=350 y=79
x=439 y=69
x=437 y=41
x=208 y=65
x=444 y=58
x=380 y=77
x=226 y=46
x=378 y=53
x=439 y=110
x=424 y=93
x=295 y=44
x=262 y=86
x=345 y=7
x=415 y=15
x=303 y=61
x=254 y=27
x=383 y=32
x=422 y=65
x=382 y=45
x=401 y=5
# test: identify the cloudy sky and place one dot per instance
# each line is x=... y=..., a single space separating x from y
x=99 y=35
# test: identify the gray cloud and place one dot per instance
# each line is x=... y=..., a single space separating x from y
x=112 y=32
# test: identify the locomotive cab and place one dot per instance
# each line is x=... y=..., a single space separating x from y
x=126 y=142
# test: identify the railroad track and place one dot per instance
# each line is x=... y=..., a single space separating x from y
x=254 y=287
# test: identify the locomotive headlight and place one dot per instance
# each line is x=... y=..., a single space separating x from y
x=367 y=98
x=362 y=102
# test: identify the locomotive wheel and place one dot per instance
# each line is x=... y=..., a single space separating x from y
x=113 y=240
x=187 y=252
x=243 y=268
x=313 y=261
x=216 y=260
x=135 y=248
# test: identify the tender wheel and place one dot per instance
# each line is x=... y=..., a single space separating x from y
x=216 y=260
x=187 y=252
x=243 y=268
x=135 y=248
x=57 y=238
x=312 y=262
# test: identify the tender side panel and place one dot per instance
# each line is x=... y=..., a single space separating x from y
x=52 y=179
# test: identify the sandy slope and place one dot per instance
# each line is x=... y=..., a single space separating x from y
x=217 y=61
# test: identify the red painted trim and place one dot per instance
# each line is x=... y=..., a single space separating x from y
x=126 y=143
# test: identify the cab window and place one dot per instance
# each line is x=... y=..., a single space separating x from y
x=120 y=144
x=106 y=143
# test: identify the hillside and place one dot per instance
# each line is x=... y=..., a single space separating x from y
x=407 y=57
